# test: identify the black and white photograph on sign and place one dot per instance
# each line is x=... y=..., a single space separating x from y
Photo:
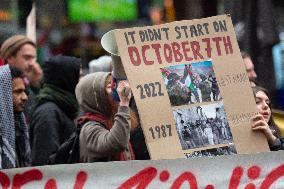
x=191 y=83
x=202 y=126
x=226 y=150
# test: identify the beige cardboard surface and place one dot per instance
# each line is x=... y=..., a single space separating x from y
x=209 y=47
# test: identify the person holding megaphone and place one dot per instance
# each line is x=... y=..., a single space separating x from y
x=107 y=121
x=137 y=138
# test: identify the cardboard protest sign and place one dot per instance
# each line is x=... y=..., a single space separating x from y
x=262 y=171
x=190 y=86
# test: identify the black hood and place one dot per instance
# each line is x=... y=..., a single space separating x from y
x=63 y=72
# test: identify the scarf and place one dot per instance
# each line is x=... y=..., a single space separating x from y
x=122 y=156
x=22 y=141
x=93 y=117
x=11 y=122
x=63 y=99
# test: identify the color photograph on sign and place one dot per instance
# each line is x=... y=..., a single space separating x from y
x=191 y=83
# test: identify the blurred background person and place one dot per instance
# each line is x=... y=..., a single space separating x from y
x=156 y=14
x=249 y=68
x=101 y=64
x=20 y=51
x=55 y=108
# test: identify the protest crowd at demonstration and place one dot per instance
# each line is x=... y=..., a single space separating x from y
x=43 y=106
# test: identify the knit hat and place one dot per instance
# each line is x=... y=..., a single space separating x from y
x=13 y=44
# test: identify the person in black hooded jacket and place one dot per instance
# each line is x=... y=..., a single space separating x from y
x=55 y=108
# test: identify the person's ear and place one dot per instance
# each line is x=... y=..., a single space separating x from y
x=10 y=60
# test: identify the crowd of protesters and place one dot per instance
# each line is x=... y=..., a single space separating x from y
x=41 y=107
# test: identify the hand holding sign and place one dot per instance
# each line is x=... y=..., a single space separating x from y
x=258 y=123
x=124 y=92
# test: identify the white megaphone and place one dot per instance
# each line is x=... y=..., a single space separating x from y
x=109 y=44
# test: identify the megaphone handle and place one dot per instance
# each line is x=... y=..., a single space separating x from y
x=125 y=92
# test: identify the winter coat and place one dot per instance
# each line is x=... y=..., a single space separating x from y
x=102 y=141
x=54 y=108
x=99 y=144
x=49 y=128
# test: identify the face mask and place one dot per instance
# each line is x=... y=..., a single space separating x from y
x=114 y=95
x=114 y=84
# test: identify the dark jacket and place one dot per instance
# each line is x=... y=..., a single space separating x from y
x=54 y=108
x=279 y=145
x=49 y=128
